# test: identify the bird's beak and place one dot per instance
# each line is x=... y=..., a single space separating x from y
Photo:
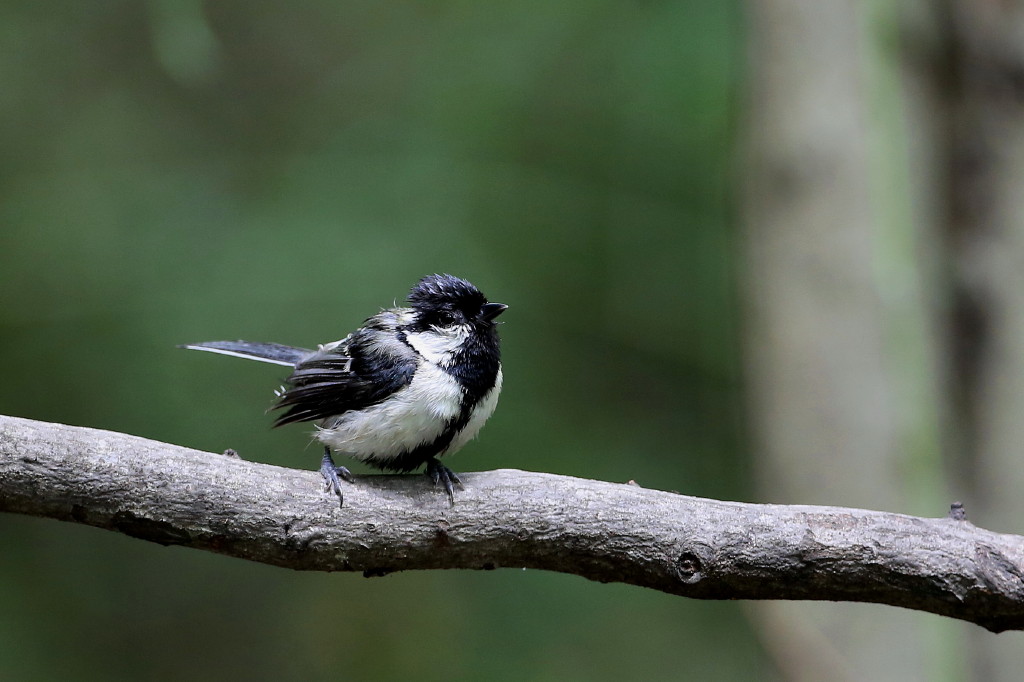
x=489 y=311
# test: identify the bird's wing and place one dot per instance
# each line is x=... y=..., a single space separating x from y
x=361 y=370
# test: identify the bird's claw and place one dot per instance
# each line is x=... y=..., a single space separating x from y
x=445 y=477
x=333 y=474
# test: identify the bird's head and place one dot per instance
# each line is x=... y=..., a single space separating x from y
x=448 y=302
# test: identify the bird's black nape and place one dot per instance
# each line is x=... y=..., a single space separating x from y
x=436 y=290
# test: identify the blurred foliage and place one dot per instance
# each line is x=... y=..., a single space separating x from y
x=184 y=171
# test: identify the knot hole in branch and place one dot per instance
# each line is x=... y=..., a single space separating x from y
x=689 y=567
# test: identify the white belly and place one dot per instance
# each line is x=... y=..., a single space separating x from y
x=414 y=415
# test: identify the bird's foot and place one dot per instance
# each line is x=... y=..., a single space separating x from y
x=333 y=474
x=443 y=476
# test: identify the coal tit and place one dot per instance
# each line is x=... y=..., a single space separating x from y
x=410 y=385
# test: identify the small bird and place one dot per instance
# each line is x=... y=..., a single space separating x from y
x=410 y=385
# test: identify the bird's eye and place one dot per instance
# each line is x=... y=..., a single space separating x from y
x=443 y=318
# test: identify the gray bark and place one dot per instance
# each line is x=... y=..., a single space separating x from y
x=608 y=532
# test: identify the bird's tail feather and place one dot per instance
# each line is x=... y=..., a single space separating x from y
x=274 y=353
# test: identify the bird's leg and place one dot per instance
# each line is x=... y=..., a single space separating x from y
x=333 y=474
x=443 y=476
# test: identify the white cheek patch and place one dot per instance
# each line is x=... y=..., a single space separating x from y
x=439 y=345
x=412 y=416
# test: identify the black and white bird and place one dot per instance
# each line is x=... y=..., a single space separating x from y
x=410 y=385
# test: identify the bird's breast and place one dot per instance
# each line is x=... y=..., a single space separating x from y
x=414 y=415
x=483 y=409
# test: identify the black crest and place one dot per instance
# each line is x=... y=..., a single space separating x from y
x=434 y=291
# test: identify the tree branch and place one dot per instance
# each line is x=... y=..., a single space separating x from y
x=608 y=532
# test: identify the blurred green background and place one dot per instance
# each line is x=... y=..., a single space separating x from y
x=178 y=171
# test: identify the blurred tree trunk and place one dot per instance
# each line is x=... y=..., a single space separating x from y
x=843 y=339
x=985 y=83
x=884 y=231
